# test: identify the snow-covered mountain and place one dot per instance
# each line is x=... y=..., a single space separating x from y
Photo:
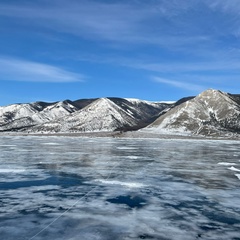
x=212 y=113
x=105 y=114
x=18 y=116
x=84 y=115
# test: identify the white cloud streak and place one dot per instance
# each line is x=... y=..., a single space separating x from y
x=22 y=70
x=87 y=19
x=188 y=66
x=180 y=84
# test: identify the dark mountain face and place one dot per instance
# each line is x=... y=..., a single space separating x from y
x=82 y=103
x=183 y=100
x=143 y=111
x=235 y=97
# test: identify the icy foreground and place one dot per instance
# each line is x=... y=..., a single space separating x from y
x=80 y=188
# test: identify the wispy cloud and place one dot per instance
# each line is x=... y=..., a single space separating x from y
x=184 y=67
x=88 y=19
x=22 y=70
x=195 y=30
x=163 y=23
x=226 y=6
x=180 y=84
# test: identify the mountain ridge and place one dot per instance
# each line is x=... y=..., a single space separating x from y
x=67 y=115
x=211 y=113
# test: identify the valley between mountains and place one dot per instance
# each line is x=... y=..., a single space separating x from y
x=212 y=113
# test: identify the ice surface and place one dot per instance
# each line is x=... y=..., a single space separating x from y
x=78 y=188
x=12 y=170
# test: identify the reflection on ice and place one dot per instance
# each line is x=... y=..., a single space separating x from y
x=80 y=188
x=9 y=170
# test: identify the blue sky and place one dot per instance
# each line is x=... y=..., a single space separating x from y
x=148 y=49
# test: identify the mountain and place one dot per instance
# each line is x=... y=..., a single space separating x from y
x=18 y=116
x=211 y=113
x=105 y=114
x=84 y=115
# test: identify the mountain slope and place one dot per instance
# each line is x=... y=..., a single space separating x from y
x=210 y=113
x=104 y=114
x=19 y=116
x=83 y=115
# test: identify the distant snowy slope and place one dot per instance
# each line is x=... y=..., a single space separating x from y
x=57 y=110
x=18 y=116
x=103 y=114
x=210 y=113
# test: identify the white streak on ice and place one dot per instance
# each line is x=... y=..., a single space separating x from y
x=238 y=176
x=126 y=148
x=234 y=169
x=226 y=164
x=51 y=143
x=132 y=157
x=7 y=145
x=125 y=184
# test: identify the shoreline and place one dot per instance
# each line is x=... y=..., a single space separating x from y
x=119 y=134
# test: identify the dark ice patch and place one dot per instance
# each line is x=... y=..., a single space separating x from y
x=59 y=180
x=130 y=201
x=221 y=218
x=145 y=236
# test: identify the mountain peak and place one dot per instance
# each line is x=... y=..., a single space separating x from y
x=212 y=112
x=212 y=93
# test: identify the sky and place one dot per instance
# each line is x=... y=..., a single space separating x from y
x=156 y=50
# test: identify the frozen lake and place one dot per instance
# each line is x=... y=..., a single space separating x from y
x=80 y=188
